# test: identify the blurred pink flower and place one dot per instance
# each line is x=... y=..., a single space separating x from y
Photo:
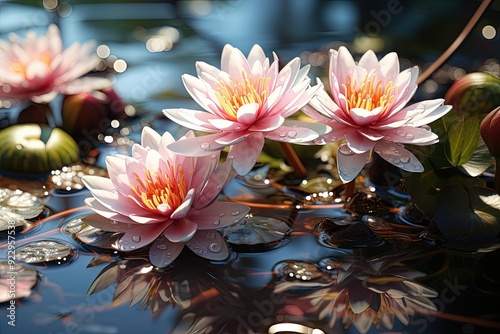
x=164 y=199
x=369 y=110
x=245 y=101
x=38 y=68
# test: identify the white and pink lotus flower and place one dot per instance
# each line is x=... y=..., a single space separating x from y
x=244 y=102
x=368 y=108
x=164 y=200
x=37 y=68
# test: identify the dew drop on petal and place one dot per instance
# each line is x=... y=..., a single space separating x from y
x=377 y=150
x=396 y=160
x=113 y=222
x=401 y=133
x=217 y=222
x=222 y=214
x=136 y=238
x=345 y=150
x=211 y=235
x=205 y=146
x=292 y=134
x=392 y=148
x=215 y=247
x=200 y=251
x=282 y=134
x=426 y=127
x=405 y=159
x=235 y=213
x=409 y=136
x=161 y=247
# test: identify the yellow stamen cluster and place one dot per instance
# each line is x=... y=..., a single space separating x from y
x=231 y=97
x=370 y=94
x=160 y=187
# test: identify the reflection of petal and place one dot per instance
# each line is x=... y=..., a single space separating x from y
x=359 y=299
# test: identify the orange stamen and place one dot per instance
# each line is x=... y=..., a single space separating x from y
x=369 y=95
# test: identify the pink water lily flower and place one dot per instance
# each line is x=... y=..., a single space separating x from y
x=245 y=101
x=159 y=198
x=369 y=111
x=38 y=68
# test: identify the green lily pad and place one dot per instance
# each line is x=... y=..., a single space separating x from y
x=466 y=212
x=463 y=136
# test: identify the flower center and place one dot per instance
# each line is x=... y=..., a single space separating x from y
x=160 y=187
x=370 y=94
x=231 y=97
x=21 y=68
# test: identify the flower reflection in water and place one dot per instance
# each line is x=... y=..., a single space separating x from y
x=184 y=285
x=360 y=291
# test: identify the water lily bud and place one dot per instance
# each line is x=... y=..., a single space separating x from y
x=85 y=113
x=474 y=93
x=490 y=132
x=39 y=113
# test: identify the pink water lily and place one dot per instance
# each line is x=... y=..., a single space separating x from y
x=245 y=101
x=38 y=68
x=369 y=111
x=159 y=198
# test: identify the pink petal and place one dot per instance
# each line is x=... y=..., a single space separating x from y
x=150 y=138
x=140 y=236
x=106 y=224
x=191 y=119
x=163 y=252
x=107 y=213
x=363 y=117
x=231 y=138
x=246 y=153
x=388 y=69
x=218 y=215
x=247 y=113
x=368 y=60
x=197 y=146
x=116 y=166
x=267 y=123
x=370 y=133
x=226 y=124
x=237 y=64
x=225 y=57
x=180 y=230
x=218 y=178
x=398 y=156
x=344 y=65
x=209 y=245
x=358 y=143
x=410 y=135
x=297 y=132
x=349 y=165
x=432 y=116
x=182 y=210
x=256 y=55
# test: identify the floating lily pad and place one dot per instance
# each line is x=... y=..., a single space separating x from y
x=90 y=235
x=44 y=251
x=257 y=230
x=16 y=207
x=25 y=280
x=466 y=212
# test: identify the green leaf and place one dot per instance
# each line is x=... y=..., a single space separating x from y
x=468 y=211
x=480 y=160
x=462 y=140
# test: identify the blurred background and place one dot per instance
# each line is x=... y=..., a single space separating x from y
x=146 y=46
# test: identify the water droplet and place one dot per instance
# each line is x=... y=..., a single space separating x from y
x=292 y=134
x=405 y=160
x=211 y=235
x=392 y=148
x=282 y=134
x=215 y=248
x=318 y=141
x=401 y=133
x=396 y=151
x=409 y=136
x=205 y=146
x=113 y=222
x=230 y=156
x=200 y=251
x=219 y=186
x=132 y=247
x=122 y=266
x=345 y=150
x=396 y=160
x=136 y=238
x=217 y=222
x=222 y=214
x=426 y=127
x=294 y=126
x=161 y=247
x=377 y=150
x=235 y=213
